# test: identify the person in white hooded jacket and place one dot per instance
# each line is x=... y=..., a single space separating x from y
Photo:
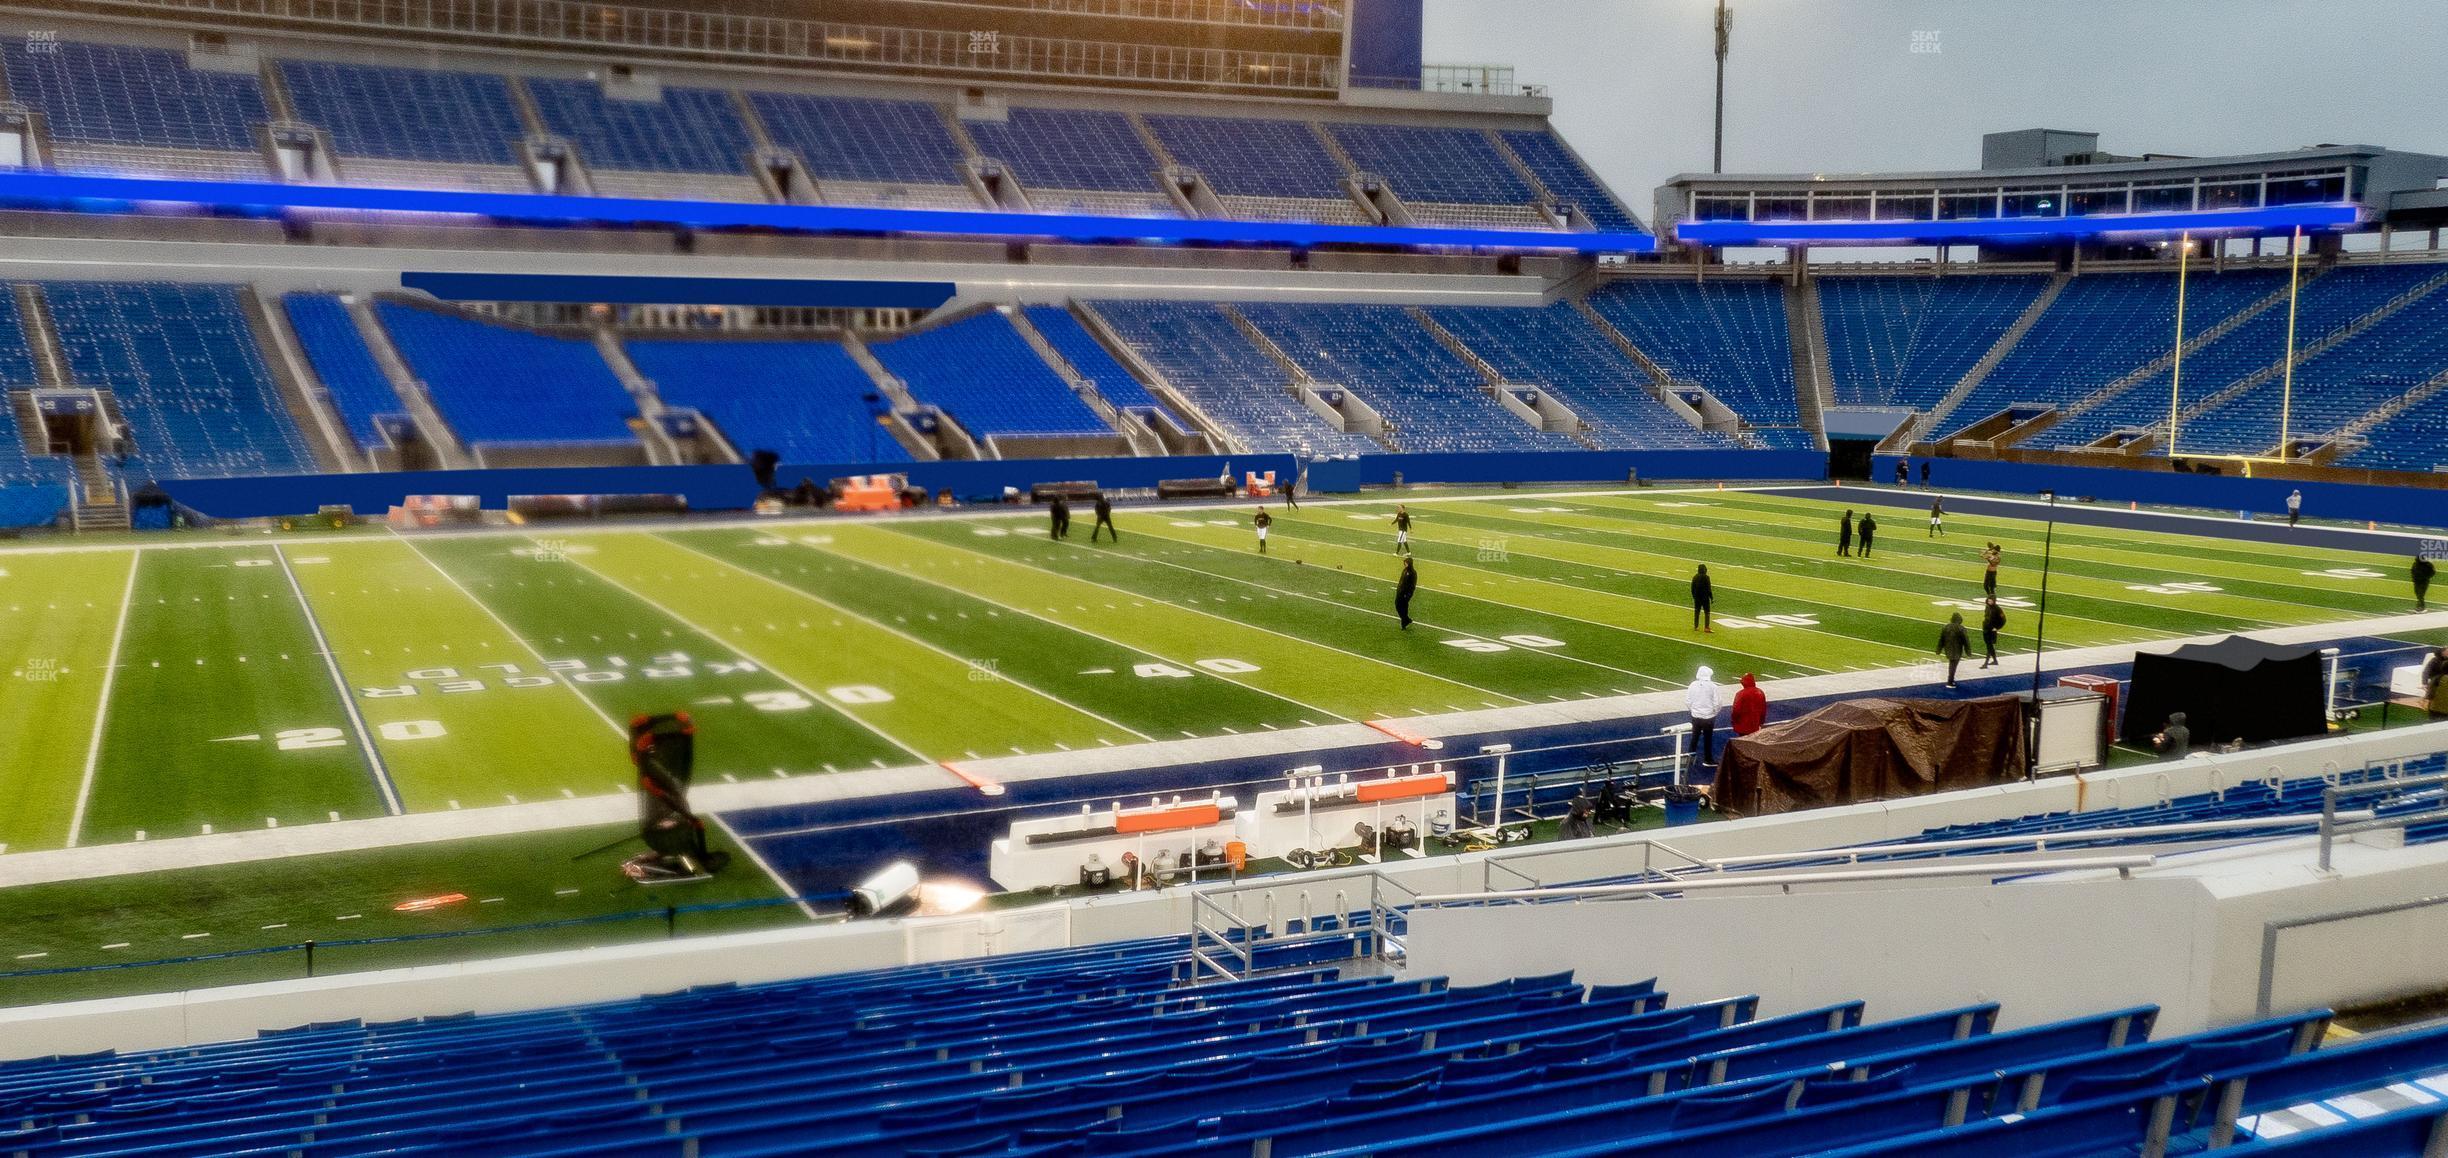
x=1704 y=700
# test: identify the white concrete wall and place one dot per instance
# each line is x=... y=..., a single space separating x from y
x=2043 y=950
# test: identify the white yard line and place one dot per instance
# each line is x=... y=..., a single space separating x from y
x=110 y=673
x=348 y=700
x=1237 y=623
x=1453 y=594
x=1019 y=610
x=812 y=694
x=617 y=727
x=758 y=859
x=821 y=601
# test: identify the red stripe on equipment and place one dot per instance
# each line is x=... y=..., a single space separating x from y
x=1161 y=819
x=1404 y=787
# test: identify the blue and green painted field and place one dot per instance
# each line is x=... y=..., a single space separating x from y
x=221 y=685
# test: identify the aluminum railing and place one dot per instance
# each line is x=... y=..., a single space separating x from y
x=2123 y=864
x=2334 y=824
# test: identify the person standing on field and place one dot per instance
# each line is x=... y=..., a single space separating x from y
x=1262 y=522
x=1402 y=529
x=1404 y=589
x=1701 y=699
x=2423 y=570
x=1844 y=535
x=1937 y=518
x=1292 y=491
x=1869 y=527
x=1953 y=643
x=1993 y=620
x=1061 y=512
x=1990 y=555
x=2294 y=506
x=1703 y=593
x=1925 y=473
x=1104 y=517
x=1902 y=479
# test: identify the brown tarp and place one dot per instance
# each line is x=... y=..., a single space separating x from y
x=1872 y=749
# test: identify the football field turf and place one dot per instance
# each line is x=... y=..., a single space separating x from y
x=229 y=684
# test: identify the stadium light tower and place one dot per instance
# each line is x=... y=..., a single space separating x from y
x=1725 y=29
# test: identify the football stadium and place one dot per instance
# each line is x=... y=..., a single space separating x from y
x=1165 y=577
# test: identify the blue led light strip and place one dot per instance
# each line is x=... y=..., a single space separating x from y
x=112 y=194
x=2273 y=219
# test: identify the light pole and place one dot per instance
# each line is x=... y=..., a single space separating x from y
x=2048 y=544
x=1725 y=29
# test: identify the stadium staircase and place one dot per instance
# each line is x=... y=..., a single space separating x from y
x=1658 y=381
x=949 y=440
x=96 y=505
x=1814 y=388
x=449 y=453
x=1496 y=382
x=29 y=423
x=1930 y=423
x=1218 y=435
x=1140 y=440
x=660 y=449
x=42 y=336
x=1297 y=379
x=2194 y=345
x=308 y=407
x=2357 y=430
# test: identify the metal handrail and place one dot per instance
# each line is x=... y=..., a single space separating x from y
x=1233 y=949
x=2333 y=825
x=1649 y=846
x=2123 y=864
x=2039 y=841
x=2271 y=929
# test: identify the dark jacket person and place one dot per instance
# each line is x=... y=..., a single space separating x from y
x=1404 y=588
x=1953 y=644
x=1703 y=593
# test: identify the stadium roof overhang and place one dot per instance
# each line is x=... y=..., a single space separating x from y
x=2012 y=230
x=120 y=194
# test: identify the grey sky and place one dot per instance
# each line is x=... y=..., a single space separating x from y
x=1834 y=86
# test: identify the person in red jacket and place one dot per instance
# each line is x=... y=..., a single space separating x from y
x=1750 y=707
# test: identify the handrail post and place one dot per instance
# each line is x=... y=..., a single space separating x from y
x=310 y=957
x=2328 y=827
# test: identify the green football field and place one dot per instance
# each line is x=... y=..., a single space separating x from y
x=222 y=685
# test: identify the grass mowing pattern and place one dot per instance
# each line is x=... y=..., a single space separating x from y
x=219 y=682
x=495 y=667
x=509 y=880
x=58 y=613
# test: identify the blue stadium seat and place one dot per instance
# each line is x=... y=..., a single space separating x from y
x=804 y=400
x=407 y=114
x=359 y=389
x=1260 y=158
x=1086 y=355
x=1204 y=356
x=1557 y=347
x=1069 y=149
x=2103 y=327
x=989 y=378
x=1434 y=400
x=189 y=378
x=1906 y=341
x=16 y=373
x=688 y=130
x=125 y=95
x=1730 y=336
x=1548 y=159
x=503 y=384
x=887 y=142
x=1433 y=163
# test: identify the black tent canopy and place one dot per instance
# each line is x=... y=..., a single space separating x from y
x=2235 y=688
